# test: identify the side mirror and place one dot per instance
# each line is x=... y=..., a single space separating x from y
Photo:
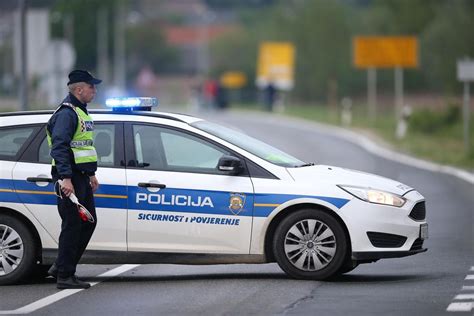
x=230 y=165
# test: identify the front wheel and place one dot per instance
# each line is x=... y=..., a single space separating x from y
x=310 y=244
x=16 y=250
x=346 y=269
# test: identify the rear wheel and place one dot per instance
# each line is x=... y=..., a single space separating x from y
x=310 y=244
x=16 y=250
x=40 y=271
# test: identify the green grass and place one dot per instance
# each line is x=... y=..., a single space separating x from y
x=443 y=143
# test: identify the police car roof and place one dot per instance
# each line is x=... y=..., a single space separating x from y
x=164 y=115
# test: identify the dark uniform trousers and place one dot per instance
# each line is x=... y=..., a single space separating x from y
x=75 y=233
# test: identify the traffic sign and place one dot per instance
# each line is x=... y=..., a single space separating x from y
x=276 y=65
x=233 y=79
x=385 y=51
x=465 y=70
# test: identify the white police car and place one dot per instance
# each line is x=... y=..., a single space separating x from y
x=178 y=189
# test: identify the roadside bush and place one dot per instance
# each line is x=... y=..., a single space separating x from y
x=428 y=121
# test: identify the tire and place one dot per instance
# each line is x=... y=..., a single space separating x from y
x=346 y=269
x=17 y=250
x=298 y=249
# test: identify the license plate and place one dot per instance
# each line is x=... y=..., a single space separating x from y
x=424 y=231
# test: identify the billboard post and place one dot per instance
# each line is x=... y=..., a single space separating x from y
x=372 y=93
x=398 y=52
x=398 y=91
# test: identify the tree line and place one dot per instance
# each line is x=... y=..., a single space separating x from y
x=322 y=31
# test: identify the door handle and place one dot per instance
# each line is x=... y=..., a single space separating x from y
x=151 y=185
x=39 y=179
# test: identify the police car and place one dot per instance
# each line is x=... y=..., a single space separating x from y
x=179 y=189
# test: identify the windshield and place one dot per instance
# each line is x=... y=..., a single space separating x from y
x=250 y=144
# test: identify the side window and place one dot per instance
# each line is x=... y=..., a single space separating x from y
x=12 y=139
x=104 y=142
x=43 y=154
x=167 y=149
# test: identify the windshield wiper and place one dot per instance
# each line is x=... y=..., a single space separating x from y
x=308 y=164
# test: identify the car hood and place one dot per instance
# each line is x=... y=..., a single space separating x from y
x=342 y=176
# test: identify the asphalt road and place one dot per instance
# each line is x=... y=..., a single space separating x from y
x=424 y=284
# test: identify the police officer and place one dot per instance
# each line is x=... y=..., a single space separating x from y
x=70 y=137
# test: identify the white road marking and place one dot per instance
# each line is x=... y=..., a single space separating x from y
x=464 y=297
x=469 y=297
x=460 y=307
x=65 y=293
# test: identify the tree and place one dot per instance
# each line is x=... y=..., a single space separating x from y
x=146 y=46
x=322 y=32
x=447 y=39
x=84 y=17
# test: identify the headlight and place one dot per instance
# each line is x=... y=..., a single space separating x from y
x=374 y=196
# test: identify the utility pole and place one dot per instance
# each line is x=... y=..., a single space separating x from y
x=103 y=44
x=465 y=74
x=23 y=88
x=119 y=47
x=467 y=116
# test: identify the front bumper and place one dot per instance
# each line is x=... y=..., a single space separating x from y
x=362 y=218
x=376 y=255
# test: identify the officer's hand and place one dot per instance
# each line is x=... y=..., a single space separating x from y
x=94 y=183
x=67 y=187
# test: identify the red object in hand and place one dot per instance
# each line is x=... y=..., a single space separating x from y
x=82 y=214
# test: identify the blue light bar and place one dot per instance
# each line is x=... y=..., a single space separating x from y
x=131 y=103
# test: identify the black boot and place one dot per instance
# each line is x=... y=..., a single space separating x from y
x=71 y=282
x=53 y=271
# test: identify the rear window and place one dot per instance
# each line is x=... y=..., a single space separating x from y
x=12 y=140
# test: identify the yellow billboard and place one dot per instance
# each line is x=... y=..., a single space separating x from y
x=385 y=51
x=276 y=65
x=233 y=79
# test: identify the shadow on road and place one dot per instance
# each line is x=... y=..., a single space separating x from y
x=260 y=276
x=365 y=278
x=194 y=277
x=356 y=278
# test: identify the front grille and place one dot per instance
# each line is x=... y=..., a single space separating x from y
x=418 y=213
x=383 y=240
x=418 y=244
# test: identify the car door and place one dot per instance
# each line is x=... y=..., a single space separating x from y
x=178 y=200
x=13 y=142
x=32 y=179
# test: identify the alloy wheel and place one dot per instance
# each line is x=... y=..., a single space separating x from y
x=11 y=250
x=310 y=245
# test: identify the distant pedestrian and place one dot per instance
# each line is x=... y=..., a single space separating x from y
x=222 y=99
x=270 y=94
x=210 y=93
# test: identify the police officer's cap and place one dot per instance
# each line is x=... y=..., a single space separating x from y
x=82 y=76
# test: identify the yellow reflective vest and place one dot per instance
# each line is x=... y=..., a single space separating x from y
x=82 y=141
